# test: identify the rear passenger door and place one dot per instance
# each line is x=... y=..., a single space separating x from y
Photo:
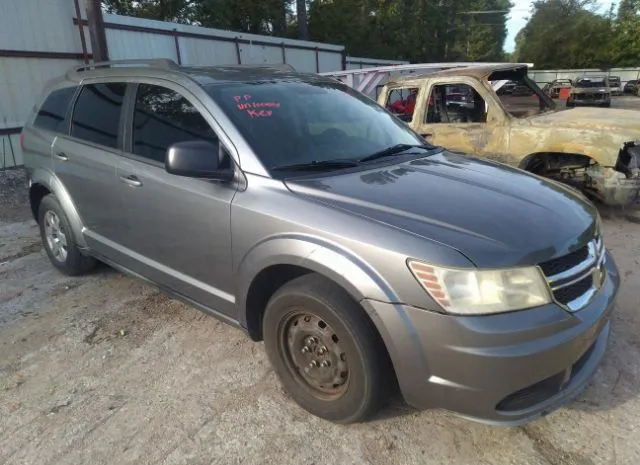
x=85 y=162
x=179 y=227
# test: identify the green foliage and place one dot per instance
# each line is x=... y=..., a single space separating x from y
x=626 y=39
x=569 y=34
x=416 y=30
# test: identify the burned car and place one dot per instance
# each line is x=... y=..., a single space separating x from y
x=553 y=88
x=630 y=87
x=590 y=90
x=615 y=86
x=596 y=153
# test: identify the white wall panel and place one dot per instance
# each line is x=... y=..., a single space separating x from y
x=38 y=25
x=205 y=52
x=22 y=82
x=128 y=45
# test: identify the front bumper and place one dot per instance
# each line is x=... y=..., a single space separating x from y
x=505 y=369
x=586 y=101
x=613 y=187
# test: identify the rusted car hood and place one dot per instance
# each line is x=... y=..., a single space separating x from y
x=589 y=90
x=591 y=118
x=495 y=215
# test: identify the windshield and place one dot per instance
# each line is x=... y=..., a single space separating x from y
x=291 y=122
x=590 y=83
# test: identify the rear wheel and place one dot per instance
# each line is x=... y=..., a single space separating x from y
x=325 y=350
x=57 y=238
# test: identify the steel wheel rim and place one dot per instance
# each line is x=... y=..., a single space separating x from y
x=55 y=236
x=314 y=354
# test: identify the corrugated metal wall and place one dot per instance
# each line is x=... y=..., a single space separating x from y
x=544 y=76
x=40 y=40
x=34 y=28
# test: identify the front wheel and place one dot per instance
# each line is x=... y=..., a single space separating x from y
x=325 y=350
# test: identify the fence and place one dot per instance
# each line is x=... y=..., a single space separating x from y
x=40 y=40
x=542 y=77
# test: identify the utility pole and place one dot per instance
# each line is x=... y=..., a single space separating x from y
x=96 y=30
x=303 y=27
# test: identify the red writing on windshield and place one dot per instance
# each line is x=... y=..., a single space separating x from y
x=259 y=113
x=244 y=97
x=255 y=109
x=257 y=105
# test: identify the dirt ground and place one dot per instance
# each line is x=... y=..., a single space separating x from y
x=104 y=369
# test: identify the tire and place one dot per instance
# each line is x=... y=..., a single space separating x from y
x=570 y=105
x=57 y=236
x=359 y=375
x=605 y=105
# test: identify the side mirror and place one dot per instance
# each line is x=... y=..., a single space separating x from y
x=197 y=159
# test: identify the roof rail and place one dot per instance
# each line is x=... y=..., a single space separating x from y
x=270 y=66
x=160 y=63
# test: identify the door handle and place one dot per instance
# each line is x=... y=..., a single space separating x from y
x=131 y=180
x=61 y=156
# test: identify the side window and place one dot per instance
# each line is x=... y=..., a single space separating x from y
x=402 y=102
x=163 y=117
x=53 y=111
x=96 y=116
x=455 y=103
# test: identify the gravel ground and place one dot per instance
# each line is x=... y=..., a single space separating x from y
x=104 y=369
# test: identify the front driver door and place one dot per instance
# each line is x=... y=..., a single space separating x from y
x=179 y=227
x=456 y=118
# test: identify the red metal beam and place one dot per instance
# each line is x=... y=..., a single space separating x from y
x=83 y=41
x=10 y=131
x=39 y=54
x=176 y=40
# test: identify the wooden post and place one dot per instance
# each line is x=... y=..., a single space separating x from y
x=96 y=30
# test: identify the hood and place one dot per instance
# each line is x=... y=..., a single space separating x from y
x=495 y=215
x=589 y=90
x=591 y=118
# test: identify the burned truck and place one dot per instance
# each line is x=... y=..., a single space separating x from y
x=595 y=151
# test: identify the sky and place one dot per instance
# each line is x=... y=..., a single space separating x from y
x=518 y=18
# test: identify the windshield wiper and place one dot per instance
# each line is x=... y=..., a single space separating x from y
x=319 y=165
x=393 y=150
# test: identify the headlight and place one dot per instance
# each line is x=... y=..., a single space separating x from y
x=474 y=292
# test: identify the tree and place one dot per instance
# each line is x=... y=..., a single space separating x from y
x=303 y=27
x=179 y=11
x=626 y=39
x=565 y=34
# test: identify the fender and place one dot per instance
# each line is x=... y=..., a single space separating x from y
x=49 y=180
x=356 y=276
x=332 y=260
x=317 y=254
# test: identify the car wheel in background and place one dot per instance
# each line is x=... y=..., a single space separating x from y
x=57 y=238
x=326 y=351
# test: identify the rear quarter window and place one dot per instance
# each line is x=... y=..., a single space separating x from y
x=53 y=112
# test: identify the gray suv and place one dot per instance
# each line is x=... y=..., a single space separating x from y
x=302 y=212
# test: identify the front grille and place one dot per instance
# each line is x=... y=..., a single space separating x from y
x=545 y=389
x=566 y=262
x=574 y=291
x=574 y=278
x=532 y=395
